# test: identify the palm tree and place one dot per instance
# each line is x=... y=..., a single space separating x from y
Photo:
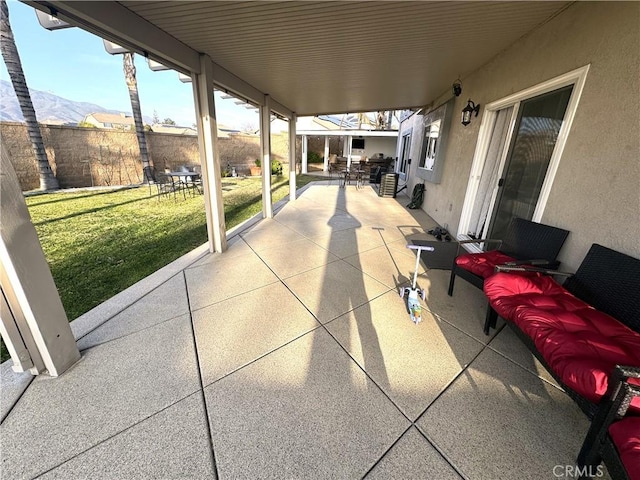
x=132 y=85
x=11 y=58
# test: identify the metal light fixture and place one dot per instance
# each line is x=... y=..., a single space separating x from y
x=457 y=87
x=468 y=110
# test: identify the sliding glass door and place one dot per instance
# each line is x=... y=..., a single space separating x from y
x=536 y=132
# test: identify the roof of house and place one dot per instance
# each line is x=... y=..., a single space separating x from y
x=120 y=119
x=175 y=129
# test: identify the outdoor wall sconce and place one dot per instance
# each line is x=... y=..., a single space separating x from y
x=468 y=110
x=457 y=87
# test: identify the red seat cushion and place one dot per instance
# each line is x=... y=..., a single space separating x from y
x=626 y=437
x=581 y=344
x=482 y=264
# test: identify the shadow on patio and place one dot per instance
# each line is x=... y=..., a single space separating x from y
x=291 y=355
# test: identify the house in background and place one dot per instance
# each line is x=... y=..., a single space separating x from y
x=354 y=136
x=173 y=129
x=110 y=120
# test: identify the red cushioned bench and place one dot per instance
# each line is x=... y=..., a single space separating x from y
x=581 y=330
x=625 y=437
x=614 y=435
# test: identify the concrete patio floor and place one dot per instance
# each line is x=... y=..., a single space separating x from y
x=292 y=356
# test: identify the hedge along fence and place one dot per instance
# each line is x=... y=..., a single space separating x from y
x=83 y=157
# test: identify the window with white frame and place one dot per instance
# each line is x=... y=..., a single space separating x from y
x=430 y=145
x=405 y=151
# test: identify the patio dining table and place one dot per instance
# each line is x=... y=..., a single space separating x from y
x=187 y=180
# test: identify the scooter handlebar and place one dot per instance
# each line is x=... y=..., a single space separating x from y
x=422 y=248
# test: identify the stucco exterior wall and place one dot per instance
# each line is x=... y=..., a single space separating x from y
x=376 y=145
x=596 y=192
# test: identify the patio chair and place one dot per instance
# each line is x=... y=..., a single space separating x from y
x=165 y=185
x=149 y=176
x=614 y=435
x=526 y=243
x=196 y=180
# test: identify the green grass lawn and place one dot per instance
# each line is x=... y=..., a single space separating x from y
x=98 y=243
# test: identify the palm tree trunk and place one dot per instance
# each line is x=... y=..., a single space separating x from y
x=132 y=85
x=48 y=181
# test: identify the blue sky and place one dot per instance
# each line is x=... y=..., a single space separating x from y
x=73 y=64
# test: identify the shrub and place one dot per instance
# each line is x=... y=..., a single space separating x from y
x=276 y=167
x=314 y=157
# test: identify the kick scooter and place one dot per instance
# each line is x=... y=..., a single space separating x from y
x=412 y=293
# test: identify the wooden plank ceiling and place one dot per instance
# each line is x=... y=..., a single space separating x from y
x=320 y=57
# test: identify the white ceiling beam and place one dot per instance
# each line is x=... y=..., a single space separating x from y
x=225 y=80
x=118 y=24
x=281 y=109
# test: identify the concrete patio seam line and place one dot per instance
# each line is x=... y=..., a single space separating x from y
x=448 y=385
x=443 y=319
x=120 y=337
x=199 y=367
x=367 y=375
x=441 y=452
x=231 y=296
x=524 y=368
x=339 y=257
x=114 y=435
x=17 y=399
x=412 y=422
x=387 y=451
x=369 y=300
x=282 y=280
x=241 y=367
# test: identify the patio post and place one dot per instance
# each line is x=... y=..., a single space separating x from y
x=265 y=146
x=326 y=153
x=33 y=322
x=347 y=147
x=209 y=155
x=292 y=157
x=305 y=144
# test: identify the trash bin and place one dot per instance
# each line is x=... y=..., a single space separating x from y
x=388 y=185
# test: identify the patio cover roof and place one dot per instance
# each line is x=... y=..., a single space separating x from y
x=317 y=57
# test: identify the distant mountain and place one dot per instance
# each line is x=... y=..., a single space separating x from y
x=48 y=107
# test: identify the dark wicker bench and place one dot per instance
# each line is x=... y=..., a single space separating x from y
x=525 y=242
x=587 y=335
x=614 y=436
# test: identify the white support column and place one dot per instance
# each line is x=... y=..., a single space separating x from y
x=326 y=153
x=265 y=146
x=304 y=153
x=347 y=147
x=35 y=327
x=209 y=155
x=292 y=157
